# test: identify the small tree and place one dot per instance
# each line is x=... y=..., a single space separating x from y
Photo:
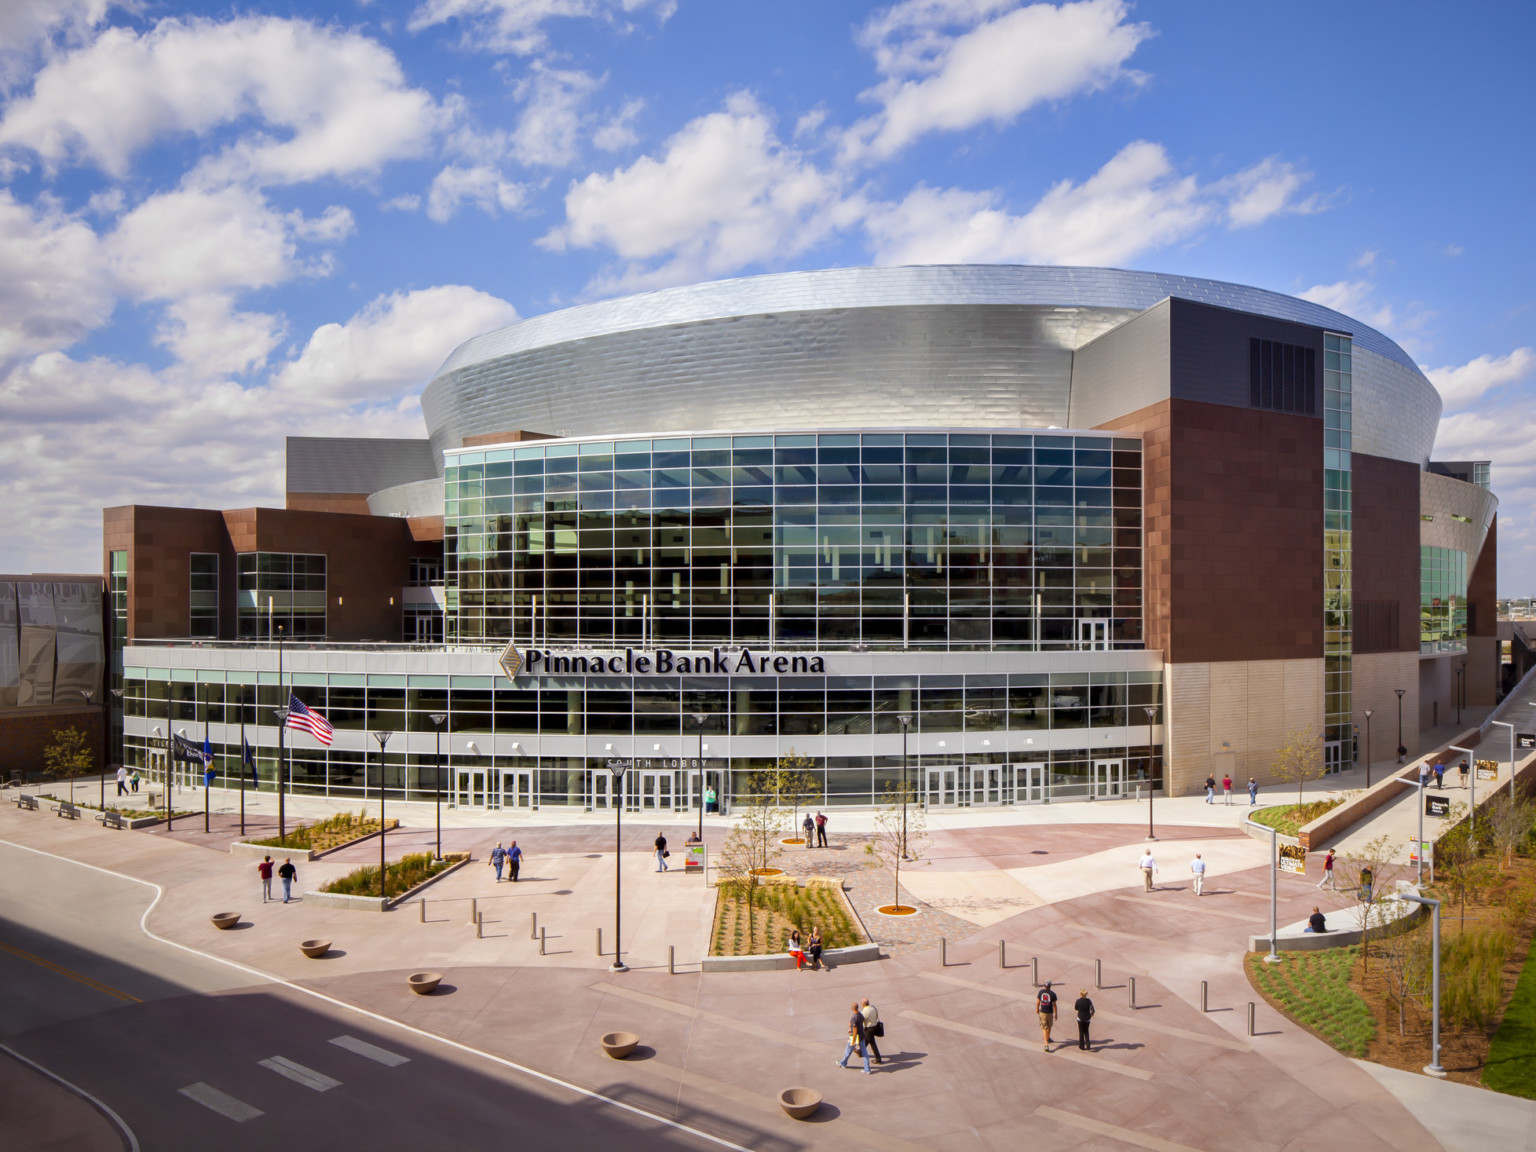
x=1365 y=904
x=1462 y=872
x=1299 y=759
x=796 y=778
x=68 y=756
x=753 y=844
x=1509 y=822
x=901 y=830
x=1407 y=968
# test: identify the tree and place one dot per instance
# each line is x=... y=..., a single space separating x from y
x=68 y=755
x=1407 y=969
x=1365 y=906
x=796 y=777
x=753 y=844
x=1299 y=759
x=900 y=833
x=1463 y=873
x=1509 y=822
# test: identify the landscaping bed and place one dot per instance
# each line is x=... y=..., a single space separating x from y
x=404 y=874
x=325 y=835
x=140 y=817
x=776 y=909
x=1290 y=819
x=1313 y=989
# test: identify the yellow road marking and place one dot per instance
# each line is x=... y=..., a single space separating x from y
x=73 y=975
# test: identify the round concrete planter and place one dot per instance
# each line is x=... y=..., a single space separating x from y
x=225 y=920
x=798 y=1103
x=314 y=949
x=423 y=983
x=620 y=1044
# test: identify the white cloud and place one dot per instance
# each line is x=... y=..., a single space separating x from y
x=725 y=193
x=953 y=64
x=1268 y=189
x=1135 y=202
x=1366 y=259
x=210 y=339
x=52 y=291
x=27 y=26
x=481 y=186
x=328 y=102
x=391 y=348
x=619 y=132
x=1460 y=385
x=517 y=26
x=546 y=132
x=1353 y=298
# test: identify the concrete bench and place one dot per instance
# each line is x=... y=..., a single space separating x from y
x=66 y=809
x=24 y=801
x=1388 y=917
x=110 y=819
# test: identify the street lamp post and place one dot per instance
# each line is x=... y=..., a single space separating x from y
x=617 y=768
x=282 y=720
x=1402 y=749
x=89 y=694
x=1367 y=748
x=383 y=739
x=906 y=722
x=699 y=718
x=437 y=719
x=117 y=696
x=1461 y=679
x=1433 y=1068
x=1511 y=727
x=1151 y=712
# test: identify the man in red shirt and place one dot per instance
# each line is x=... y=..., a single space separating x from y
x=264 y=870
x=1226 y=788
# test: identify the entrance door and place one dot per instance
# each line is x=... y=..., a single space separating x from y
x=517 y=789
x=1333 y=756
x=1108 y=779
x=1093 y=634
x=599 y=788
x=1030 y=783
x=469 y=787
x=650 y=791
x=942 y=786
x=988 y=784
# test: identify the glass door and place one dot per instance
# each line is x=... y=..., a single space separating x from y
x=469 y=787
x=1109 y=779
x=1093 y=634
x=1029 y=787
x=941 y=786
x=599 y=789
x=1333 y=756
x=991 y=784
x=650 y=791
x=517 y=789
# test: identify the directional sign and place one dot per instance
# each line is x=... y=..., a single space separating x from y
x=1437 y=805
x=1487 y=769
x=1525 y=741
x=1293 y=858
x=511 y=660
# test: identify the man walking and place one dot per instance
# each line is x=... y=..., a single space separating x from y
x=1463 y=768
x=1327 y=880
x=1226 y=788
x=661 y=853
x=122 y=780
x=821 y=830
x=264 y=870
x=1197 y=867
x=1084 y=1010
x=1253 y=791
x=1440 y=775
x=514 y=860
x=856 y=1039
x=498 y=858
x=1210 y=789
x=810 y=830
x=1148 y=866
x=873 y=1029
x=288 y=874
x=1424 y=774
x=1045 y=1009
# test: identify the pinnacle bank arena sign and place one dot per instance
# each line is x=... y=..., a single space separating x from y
x=656 y=662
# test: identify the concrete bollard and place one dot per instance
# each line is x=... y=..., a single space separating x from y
x=1250 y=1018
x=671 y=960
x=474 y=910
x=421 y=906
x=479 y=926
x=943 y=953
x=533 y=932
x=599 y=941
x=1002 y=953
x=1098 y=974
x=541 y=941
x=1205 y=996
x=1034 y=970
x=1133 y=991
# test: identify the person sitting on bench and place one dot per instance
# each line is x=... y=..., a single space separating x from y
x=1315 y=922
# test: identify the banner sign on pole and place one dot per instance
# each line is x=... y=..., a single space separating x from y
x=694 y=858
x=1293 y=858
x=1525 y=741
x=1437 y=805
x=1426 y=849
x=1487 y=769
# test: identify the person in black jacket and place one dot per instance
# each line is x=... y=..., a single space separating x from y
x=1084 y=1010
x=858 y=1038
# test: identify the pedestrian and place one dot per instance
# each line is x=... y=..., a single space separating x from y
x=1148 y=866
x=1367 y=878
x=1316 y=921
x=661 y=853
x=810 y=830
x=710 y=799
x=1253 y=791
x=498 y=858
x=1045 y=1009
x=1439 y=775
x=856 y=1039
x=1463 y=768
x=514 y=860
x=288 y=874
x=813 y=947
x=1084 y=1010
x=264 y=870
x=1210 y=789
x=1327 y=880
x=1226 y=788
x=796 y=949
x=821 y=830
x=1424 y=774
x=122 y=780
x=135 y=780
x=1197 y=866
x=873 y=1029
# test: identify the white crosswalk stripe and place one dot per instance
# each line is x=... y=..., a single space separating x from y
x=371 y=1051
x=222 y=1103
x=300 y=1074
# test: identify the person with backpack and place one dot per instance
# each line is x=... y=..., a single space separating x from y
x=821 y=830
x=1084 y=1010
x=498 y=858
x=1045 y=1009
x=264 y=870
x=810 y=830
x=288 y=874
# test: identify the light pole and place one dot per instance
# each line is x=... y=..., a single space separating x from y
x=438 y=719
x=1151 y=712
x=1511 y=727
x=89 y=693
x=383 y=739
x=1461 y=679
x=699 y=718
x=617 y=768
x=1433 y=1068
x=1402 y=749
x=282 y=730
x=1367 y=748
x=906 y=722
x=117 y=696
x=1274 y=895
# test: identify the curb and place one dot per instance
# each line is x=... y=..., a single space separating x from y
x=778 y=961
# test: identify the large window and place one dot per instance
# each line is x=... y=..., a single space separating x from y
x=1442 y=600
x=203 y=596
x=888 y=540
x=281 y=594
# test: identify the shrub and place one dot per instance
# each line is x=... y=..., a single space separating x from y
x=324 y=834
x=1472 y=975
x=404 y=874
x=1289 y=819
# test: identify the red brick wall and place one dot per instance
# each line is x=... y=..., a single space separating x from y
x=1386 y=553
x=25 y=733
x=1483 y=586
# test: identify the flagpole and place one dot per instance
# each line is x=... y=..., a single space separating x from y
x=242 y=770
x=282 y=720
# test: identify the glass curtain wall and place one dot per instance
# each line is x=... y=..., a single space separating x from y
x=280 y=590
x=1338 y=642
x=1442 y=600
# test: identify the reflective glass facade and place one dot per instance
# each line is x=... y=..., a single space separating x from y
x=1442 y=600
x=886 y=540
x=1338 y=624
x=280 y=590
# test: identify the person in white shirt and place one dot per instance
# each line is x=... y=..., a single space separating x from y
x=1148 y=867
x=1197 y=866
x=122 y=780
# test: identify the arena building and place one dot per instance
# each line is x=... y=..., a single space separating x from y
x=1029 y=534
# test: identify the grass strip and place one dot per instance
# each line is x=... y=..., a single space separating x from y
x=1511 y=1066
x=1290 y=819
x=404 y=874
x=1313 y=989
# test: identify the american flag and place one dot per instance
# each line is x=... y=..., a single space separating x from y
x=309 y=721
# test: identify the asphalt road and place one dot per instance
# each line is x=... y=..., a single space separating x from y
x=193 y=1055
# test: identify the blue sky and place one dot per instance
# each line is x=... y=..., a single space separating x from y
x=220 y=224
